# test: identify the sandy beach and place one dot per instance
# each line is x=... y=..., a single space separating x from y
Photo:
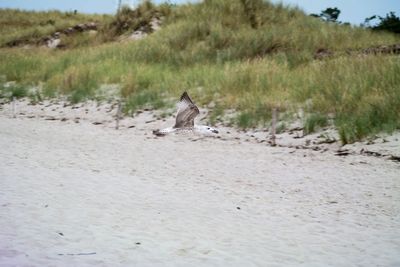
x=76 y=192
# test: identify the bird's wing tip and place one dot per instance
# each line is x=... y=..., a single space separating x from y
x=185 y=97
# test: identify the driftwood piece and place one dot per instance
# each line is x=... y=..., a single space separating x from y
x=14 y=112
x=118 y=115
x=273 y=126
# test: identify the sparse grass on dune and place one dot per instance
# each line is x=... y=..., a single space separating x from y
x=221 y=31
x=128 y=20
x=248 y=58
x=21 y=25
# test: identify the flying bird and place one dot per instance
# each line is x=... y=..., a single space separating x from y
x=184 y=123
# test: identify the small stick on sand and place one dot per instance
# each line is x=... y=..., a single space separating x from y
x=78 y=254
x=118 y=114
x=13 y=108
x=273 y=126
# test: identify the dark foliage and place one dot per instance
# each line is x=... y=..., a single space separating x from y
x=390 y=23
x=330 y=14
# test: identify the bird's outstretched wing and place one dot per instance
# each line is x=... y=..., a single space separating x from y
x=187 y=111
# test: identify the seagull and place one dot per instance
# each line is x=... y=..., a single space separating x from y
x=184 y=124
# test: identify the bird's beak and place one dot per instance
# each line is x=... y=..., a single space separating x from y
x=215 y=131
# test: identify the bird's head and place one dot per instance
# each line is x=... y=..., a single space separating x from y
x=207 y=130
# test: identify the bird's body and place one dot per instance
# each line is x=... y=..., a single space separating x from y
x=197 y=130
x=184 y=124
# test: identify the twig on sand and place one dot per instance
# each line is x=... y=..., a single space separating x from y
x=394 y=158
x=365 y=152
x=344 y=152
x=77 y=254
x=380 y=155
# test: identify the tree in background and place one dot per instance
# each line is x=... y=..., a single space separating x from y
x=389 y=23
x=330 y=14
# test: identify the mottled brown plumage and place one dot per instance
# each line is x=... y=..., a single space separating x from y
x=187 y=111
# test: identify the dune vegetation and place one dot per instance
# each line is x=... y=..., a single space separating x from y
x=22 y=26
x=246 y=55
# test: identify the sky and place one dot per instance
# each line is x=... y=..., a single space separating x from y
x=353 y=11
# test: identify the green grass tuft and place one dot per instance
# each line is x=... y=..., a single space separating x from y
x=216 y=114
x=315 y=121
x=144 y=99
x=245 y=120
x=13 y=91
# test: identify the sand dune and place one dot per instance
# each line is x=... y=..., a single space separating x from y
x=78 y=194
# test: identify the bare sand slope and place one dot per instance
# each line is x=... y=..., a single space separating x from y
x=80 y=195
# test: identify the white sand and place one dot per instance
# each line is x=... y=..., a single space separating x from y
x=135 y=200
